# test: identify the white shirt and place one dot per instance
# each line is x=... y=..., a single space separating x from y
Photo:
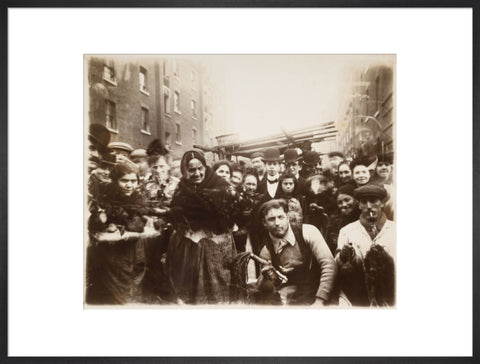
x=272 y=187
x=356 y=234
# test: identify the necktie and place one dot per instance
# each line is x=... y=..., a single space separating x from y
x=272 y=181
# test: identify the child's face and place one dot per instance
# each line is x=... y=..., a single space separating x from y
x=288 y=185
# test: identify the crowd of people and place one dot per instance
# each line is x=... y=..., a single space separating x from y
x=278 y=229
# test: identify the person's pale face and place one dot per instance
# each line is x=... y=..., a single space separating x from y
x=160 y=168
x=224 y=172
x=371 y=208
x=250 y=185
x=195 y=171
x=236 y=178
x=276 y=222
x=344 y=173
x=319 y=185
x=288 y=185
x=361 y=175
x=383 y=170
x=346 y=204
x=293 y=167
x=273 y=168
x=258 y=164
x=128 y=183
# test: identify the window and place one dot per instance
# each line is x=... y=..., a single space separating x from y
x=176 y=99
x=194 y=109
x=176 y=69
x=110 y=115
x=145 y=120
x=178 y=134
x=109 y=74
x=194 y=136
x=143 y=80
x=166 y=100
x=168 y=140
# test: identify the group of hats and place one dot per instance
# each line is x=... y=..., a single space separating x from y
x=272 y=154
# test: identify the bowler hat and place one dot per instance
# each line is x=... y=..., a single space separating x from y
x=99 y=135
x=272 y=155
x=291 y=155
x=311 y=158
x=370 y=190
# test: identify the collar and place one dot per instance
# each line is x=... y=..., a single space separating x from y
x=289 y=238
x=378 y=224
x=272 y=179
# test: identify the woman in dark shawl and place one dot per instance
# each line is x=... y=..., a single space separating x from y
x=202 y=245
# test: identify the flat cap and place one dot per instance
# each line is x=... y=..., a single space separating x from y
x=138 y=153
x=370 y=190
x=120 y=146
x=256 y=155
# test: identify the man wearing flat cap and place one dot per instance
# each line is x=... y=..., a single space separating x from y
x=270 y=186
x=366 y=253
x=372 y=227
x=258 y=164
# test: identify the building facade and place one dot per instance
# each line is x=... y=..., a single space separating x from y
x=367 y=126
x=144 y=98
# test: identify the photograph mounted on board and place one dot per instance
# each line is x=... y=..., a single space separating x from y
x=240 y=180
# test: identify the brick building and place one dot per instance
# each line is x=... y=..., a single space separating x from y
x=143 y=98
x=368 y=123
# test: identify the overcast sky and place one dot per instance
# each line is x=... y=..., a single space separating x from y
x=266 y=92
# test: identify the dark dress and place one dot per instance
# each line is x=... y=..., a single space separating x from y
x=202 y=247
x=115 y=269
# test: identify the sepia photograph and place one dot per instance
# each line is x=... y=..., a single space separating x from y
x=240 y=179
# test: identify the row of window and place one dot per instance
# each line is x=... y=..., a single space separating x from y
x=111 y=122
x=176 y=103
x=109 y=75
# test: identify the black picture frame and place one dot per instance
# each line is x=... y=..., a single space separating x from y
x=475 y=5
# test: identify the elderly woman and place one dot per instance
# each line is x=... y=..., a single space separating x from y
x=115 y=268
x=202 y=244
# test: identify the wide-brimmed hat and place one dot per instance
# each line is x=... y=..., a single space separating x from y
x=370 y=190
x=336 y=154
x=272 y=155
x=121 y=146
x=311 y=158
x=291 y=155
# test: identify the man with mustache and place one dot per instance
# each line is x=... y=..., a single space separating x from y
x=372 y=227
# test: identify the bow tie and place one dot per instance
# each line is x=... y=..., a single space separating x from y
x=272 y=181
